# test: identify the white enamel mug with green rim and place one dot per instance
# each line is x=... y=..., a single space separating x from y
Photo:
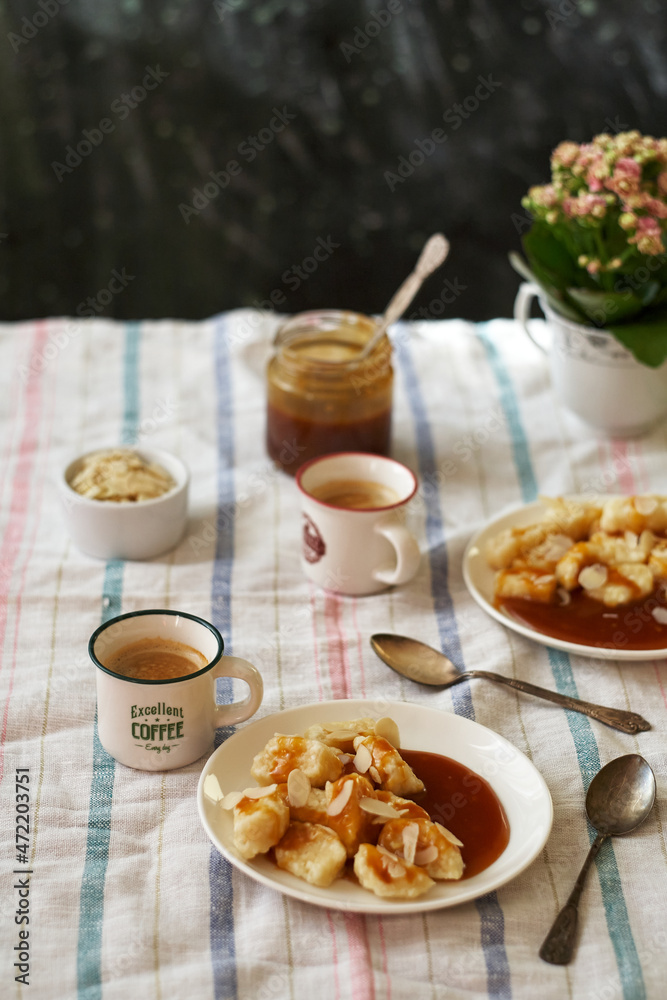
x=159 y=725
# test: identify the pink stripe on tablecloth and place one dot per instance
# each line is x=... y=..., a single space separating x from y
x=621 y=461
x=361 y=965
x=16 y=525
x=334 y=952
x=316 y=652
x=14 y=409
x=383 y=947
x=360 y=651
x=339 y=668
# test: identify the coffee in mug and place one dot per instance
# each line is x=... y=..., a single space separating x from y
x=356 y=494
x=156 y=659
x=353 y=538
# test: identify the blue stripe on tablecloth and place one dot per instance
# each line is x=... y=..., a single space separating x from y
x=91 y=915
x=492 y=929
x=223 y=947
x=588 y=757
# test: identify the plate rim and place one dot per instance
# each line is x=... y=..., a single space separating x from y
x=302 y=891
x=578 y=649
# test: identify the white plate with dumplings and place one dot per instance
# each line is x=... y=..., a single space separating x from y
x=517 y=783
x=479 y=579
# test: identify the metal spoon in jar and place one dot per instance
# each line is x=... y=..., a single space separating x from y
x=619 y=798
x=419 y=662
x=434 y=253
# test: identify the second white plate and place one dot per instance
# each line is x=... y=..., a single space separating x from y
x=517 y=783
x=479 y=577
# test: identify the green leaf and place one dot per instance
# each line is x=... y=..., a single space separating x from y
x=600 y=307
x=646 y=338
x=548 y=255
x=554 y=297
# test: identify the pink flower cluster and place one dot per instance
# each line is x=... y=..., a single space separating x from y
x=612 y=185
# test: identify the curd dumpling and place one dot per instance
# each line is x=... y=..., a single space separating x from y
x=428 y=846
x=283 y=754
x=634 y=514
x=387 y=768
x=385 y=874
x=311 y=852
x=532 y=584
x=345 y=815
x=259 y=823
x=314 y=810
x=406 y=807
x=340 y=734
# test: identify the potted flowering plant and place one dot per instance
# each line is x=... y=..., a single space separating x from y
x=597 y=244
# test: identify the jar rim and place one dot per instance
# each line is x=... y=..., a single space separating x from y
x=327 y=321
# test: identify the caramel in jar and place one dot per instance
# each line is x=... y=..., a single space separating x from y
x=322 y=397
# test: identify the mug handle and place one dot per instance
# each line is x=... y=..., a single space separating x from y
x=407 y=554
x=522 y=303
x=238 y=711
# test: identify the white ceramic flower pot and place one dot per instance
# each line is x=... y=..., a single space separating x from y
x=594 y=375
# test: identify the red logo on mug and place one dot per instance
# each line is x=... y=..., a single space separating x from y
x=313 y=543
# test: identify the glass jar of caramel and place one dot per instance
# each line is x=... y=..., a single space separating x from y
x=322 y=397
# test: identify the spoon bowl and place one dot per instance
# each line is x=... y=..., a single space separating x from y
x=621 y=795
x=619 y=798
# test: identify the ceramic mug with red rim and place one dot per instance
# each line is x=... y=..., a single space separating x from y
x=354 y=540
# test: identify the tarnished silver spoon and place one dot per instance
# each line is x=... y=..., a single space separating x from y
x=619 y=798
x=419 y=662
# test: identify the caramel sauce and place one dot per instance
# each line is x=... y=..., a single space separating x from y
x=591 y=623
x=292 y=440
x=463 y=802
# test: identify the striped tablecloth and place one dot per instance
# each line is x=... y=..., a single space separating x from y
x=125 y=895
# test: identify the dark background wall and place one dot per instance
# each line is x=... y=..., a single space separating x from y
x=360 y=94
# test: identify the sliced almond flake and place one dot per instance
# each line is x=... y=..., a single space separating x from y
x=645 y=505
x=337 y=805
x=557 y=546
x=631 y=539
x=410 y=838
x=363 y=759
x=592 y=577
x=660 y=615
x=564 y=596
x=298 y=788
x=230 y=800
x=426 y=855
x=375 y=775
x=378 y=808
x=387 y=854
x=396 y=869
x=338 y=735
x=212 y=789
x=388 y=730
x=259 y=793
x=609 y=614
x=344 y=758
x=545 y=578
x=449 y=835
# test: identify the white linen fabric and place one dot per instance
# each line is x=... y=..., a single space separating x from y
x=126 y=896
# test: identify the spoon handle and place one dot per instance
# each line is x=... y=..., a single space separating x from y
x=617 y=718
x=558 y=945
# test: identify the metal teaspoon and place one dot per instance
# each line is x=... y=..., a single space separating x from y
x=619 y=798
x=419 y=662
